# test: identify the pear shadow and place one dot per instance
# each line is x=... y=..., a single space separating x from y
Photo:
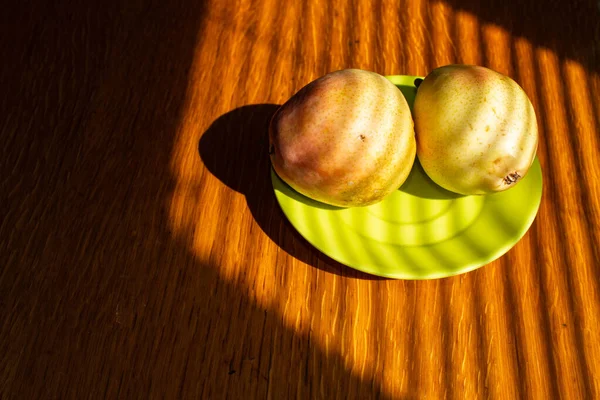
x=420 y=185
x=410 y=91
x=235 y=150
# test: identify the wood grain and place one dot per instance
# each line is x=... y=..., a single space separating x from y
x=143 y=255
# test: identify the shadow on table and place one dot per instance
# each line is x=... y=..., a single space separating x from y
x=235 y=150
x=98 y=294
x=570 y=28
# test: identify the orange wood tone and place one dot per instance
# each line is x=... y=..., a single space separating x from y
x=143 y=254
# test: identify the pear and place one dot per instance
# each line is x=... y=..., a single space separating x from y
x=346 y=139
x=476 y=129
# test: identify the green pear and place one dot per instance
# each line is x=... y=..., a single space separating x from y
x=346 y=139
x=476 y=129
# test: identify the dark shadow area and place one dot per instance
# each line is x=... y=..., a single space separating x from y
x=410 y=92
x=235 y=150
x=420 y=185
x=570 y=28
x=98 y=297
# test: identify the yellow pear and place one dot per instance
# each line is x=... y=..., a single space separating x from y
x=476 y=129
x=346 y=139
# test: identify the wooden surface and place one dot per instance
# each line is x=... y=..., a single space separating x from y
x=142 y=253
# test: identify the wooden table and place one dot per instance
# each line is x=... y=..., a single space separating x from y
x=143 y=254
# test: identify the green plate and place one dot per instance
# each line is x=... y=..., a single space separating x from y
x=420 y=231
